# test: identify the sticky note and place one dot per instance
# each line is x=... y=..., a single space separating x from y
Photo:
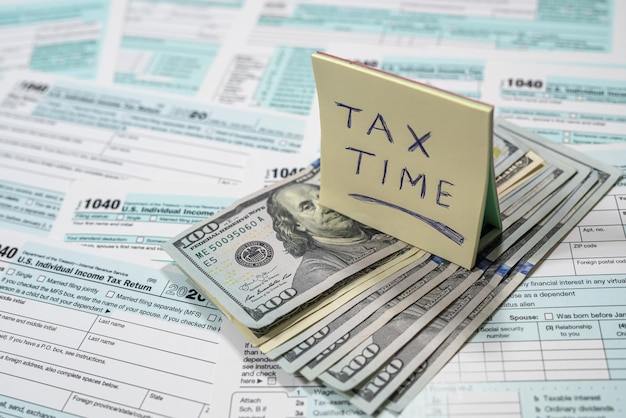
x=406 y=158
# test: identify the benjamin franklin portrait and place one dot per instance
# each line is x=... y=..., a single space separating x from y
x=326 y=240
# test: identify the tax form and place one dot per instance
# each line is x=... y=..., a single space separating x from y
x=463 y=70
x=274 y=167
x=567 y=104
x=53 y=130
x=170 y=46
x=133 y=218
x=85 y=335
x=72 y=38
x=268 y=63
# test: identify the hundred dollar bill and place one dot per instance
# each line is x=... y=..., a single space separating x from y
x=522 y=190
x=297 y=321
x=374 y=392
x=347 y=335
x=568 y=215
x=554 y=179
x=358 y=287
x=352 y=368
x=293 y=359
x=392 y=284
x=334 y=349
x=338 y=348
x=275 y=252
x=543 y=184
x=556 y=171
x=522 y=169
x=410 y=281
x=418 y=365
x=517 y=230
x=506 y=150
x=350 y=371
x=532 y=193
x=378 y=353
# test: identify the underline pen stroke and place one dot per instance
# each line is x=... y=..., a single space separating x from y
x=438 y=226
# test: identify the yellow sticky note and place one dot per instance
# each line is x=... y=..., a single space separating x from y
x=405 y=158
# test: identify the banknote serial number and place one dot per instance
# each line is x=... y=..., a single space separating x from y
x=232 y=235
x=226 y=239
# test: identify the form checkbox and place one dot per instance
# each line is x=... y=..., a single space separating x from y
x=110 y=294
x=120 y=217
x=10 y=272
x=139 y=239
x=548 y=316
x=153 y=218
x=29 y=202
x=41 y=278
x=212 y=317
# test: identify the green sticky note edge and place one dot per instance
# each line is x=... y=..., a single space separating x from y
x=492 y=207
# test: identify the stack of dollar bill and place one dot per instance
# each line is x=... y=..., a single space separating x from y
x=360 y=311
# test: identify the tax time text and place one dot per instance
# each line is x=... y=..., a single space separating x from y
x=366 y=160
